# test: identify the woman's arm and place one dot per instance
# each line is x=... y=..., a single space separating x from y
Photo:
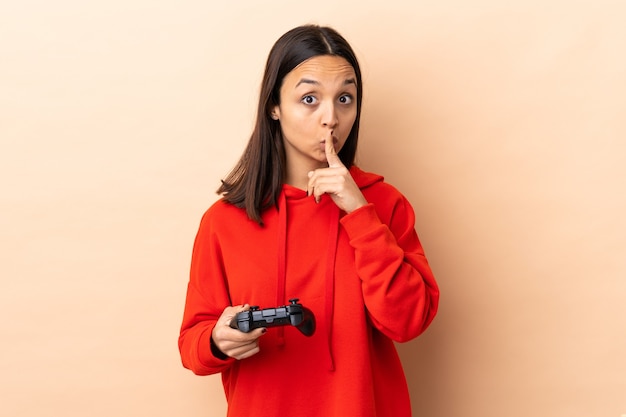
x=207 y=296
x=399 y=289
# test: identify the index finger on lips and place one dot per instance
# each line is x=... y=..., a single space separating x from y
x=331 y=154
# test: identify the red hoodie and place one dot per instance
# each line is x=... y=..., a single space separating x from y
x=365 y=277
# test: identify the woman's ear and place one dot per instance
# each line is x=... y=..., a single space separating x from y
x=275 y=113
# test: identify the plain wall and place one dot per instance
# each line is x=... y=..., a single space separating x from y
x=502 y=122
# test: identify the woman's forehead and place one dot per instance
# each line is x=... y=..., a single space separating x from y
x=324 y=66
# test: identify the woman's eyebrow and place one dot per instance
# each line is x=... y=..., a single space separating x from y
x=313 y=82
x=307 y=81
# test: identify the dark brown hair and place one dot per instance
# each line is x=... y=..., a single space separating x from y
x=257 y=179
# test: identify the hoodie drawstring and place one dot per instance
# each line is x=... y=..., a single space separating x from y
x=333 y=235
x=282 y=259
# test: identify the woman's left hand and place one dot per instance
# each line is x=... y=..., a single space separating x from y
x=335 y=181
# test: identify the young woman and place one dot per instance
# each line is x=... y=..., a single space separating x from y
x=297 y=219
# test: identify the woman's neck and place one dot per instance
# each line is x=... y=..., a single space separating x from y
x=298 y=176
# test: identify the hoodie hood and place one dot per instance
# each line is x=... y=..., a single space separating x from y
x=364 y=179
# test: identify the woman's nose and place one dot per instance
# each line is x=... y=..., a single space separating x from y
x=329 y=116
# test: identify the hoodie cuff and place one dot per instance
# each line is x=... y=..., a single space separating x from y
x=361 y=221
x=216 y=351
x=210 y=357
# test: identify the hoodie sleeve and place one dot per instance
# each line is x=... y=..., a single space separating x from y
x=207 y=296
x=399 y=289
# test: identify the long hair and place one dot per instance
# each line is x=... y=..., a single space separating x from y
x=257 y=179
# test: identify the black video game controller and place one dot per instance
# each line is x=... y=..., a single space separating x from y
x=295 y=314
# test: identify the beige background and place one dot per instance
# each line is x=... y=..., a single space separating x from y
x=503 y=122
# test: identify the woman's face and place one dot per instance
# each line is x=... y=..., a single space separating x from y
x=318 y=99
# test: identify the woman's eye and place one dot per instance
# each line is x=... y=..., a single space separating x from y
x=345 y=99
x=309 y=100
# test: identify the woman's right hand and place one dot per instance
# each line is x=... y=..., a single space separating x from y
x=233 y=342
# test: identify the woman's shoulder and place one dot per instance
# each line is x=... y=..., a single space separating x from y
x=388 y=201
x=373 y=183
x=222 y=211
